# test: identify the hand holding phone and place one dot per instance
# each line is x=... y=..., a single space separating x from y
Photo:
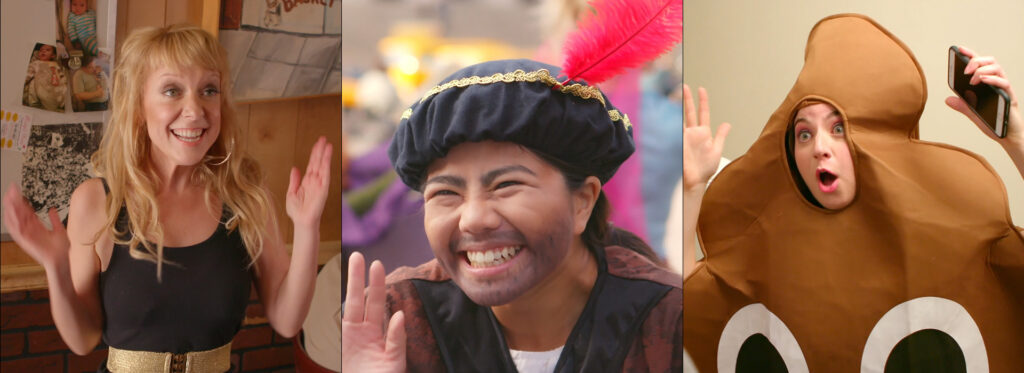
x=989 y=103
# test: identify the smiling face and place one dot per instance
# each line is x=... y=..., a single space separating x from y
x=823 y=156
x=182 y=113
x=78 y=7
x=499 y=219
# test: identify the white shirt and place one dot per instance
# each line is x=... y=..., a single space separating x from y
x=535 y=362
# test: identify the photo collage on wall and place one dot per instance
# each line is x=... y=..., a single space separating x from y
x=72 y=72
x=68 y=73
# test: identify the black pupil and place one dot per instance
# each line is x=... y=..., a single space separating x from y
x=927 y=350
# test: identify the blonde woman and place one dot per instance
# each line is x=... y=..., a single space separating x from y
x=160 y=250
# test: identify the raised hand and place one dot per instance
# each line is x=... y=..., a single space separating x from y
x=701 y=152
x=986 y=70
x=305 y=200
x=46 y=246
x=363 y=344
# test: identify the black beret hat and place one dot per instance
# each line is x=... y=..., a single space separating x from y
x=519 y=101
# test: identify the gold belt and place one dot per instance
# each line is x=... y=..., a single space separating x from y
x=217 y=360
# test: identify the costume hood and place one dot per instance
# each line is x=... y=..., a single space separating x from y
x=926 y=247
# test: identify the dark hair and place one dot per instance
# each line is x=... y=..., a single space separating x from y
x=791 y=158
x=86 y=60
x=599 y=233
x=41 y=45
x=794 y=171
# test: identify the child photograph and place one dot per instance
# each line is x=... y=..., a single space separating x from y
x=89 y=86
x=78 y=19
x=45 y=81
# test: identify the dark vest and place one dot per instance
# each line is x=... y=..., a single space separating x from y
x=632 y=321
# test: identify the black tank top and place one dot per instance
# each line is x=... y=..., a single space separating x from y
x=199 y=305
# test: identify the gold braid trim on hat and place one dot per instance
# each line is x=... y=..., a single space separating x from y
x=543 y=75
x=616 y=115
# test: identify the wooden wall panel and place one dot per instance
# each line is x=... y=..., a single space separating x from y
x=242 y=112
x=176 y=11
x=143 y=13
x=10 y=253
x=190 y=11
x=322 y=117
x=121 y=29
x=206 y=14
x=272 y=143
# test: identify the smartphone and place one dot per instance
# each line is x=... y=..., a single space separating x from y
x=991 y=104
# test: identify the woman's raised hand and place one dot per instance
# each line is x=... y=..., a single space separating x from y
x=46 y=246
x=306 y=197
x=985 y=69
x=701 y=151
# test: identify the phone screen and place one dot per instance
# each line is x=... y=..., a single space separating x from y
x=982 y=98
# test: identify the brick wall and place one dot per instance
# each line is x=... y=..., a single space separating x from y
x=29 y=342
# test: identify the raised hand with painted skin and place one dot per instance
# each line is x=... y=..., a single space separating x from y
x=364 y=347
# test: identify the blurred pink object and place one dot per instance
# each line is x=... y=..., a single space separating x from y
x=624 y=189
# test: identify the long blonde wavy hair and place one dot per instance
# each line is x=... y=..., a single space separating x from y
x=123 y=158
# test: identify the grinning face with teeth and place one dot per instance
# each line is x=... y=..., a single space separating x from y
x=499 y=219
x=822 y=155
x=182 y=114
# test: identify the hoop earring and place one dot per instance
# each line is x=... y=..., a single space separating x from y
x=230 y=150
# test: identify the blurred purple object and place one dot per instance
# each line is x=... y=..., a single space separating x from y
x=396 y=201
x=392 y=230
x=369 y=166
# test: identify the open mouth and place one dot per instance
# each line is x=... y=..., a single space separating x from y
x=188 y=134
x=491 y=258
x=827 y=180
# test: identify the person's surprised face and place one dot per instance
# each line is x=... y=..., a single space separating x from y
x=823 y=155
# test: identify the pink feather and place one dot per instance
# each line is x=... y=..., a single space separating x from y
x=622 y=34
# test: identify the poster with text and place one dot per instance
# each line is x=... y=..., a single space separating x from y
x=315 y=17
x=15 y=128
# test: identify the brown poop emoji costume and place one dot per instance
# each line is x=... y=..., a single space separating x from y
x=925 y=260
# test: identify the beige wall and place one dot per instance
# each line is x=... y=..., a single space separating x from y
x=749 y=53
